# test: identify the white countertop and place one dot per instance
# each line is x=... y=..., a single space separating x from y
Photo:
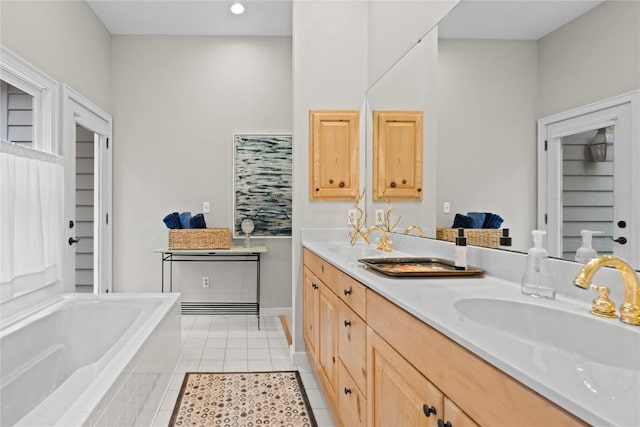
x=598 y=393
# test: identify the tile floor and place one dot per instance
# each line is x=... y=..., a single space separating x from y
x=234 y=343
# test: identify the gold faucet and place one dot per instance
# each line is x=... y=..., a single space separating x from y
x=630 y=308
x=416 y=228
x=384 y=244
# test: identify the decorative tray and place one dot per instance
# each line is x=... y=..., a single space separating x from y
x=412 y=266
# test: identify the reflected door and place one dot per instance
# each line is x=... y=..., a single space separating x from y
x=588 y=182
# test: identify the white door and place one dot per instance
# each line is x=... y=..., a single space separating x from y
x=578 y=191
x=87 y=195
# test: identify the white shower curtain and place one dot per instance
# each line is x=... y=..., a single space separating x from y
x=31 y=219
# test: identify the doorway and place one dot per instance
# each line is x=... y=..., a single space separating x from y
x=86 y=131
x=588 y=179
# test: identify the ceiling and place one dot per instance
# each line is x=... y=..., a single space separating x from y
x=500 y=19
x=511 y=19
x=194 y=17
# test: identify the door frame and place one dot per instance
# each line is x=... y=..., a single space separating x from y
x=633 y=100
x=78 y=110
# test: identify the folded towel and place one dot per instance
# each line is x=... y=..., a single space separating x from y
x=197 y=221
x=172 y=220
x=462 y=221
x=492 y=220
x=477 y=219
x=185 y=219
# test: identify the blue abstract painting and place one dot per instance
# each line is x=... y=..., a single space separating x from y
x=262 y=190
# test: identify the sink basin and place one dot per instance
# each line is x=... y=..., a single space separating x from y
x=604 y=341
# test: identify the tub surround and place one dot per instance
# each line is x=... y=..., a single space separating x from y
x=595 y=387
x=103 y=359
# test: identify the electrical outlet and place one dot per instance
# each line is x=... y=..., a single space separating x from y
x=379 y=216
x=206 y=207
x=352 y=217
x=447 y=207
x=205 y=282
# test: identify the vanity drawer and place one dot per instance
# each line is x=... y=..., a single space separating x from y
x=326 y=272
x=353 y=293
x=352 y=405
x=352 y=344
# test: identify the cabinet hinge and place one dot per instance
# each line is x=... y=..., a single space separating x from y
x=107 y=143
x=107 y=218
x=545 y=145
x=545 y=218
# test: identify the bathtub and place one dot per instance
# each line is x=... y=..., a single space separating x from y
x=89 y=360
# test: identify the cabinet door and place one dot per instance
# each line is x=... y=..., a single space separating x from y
x=398 y=395
x=455 y=416
x=352 y=345
x=334 y=151
x=328 y=338
x=397 y=163
x=310 y=295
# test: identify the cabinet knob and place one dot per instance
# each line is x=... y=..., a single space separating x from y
x=347 y=323
x=341 y=185
x=428 y=410
x=317 y=189
x=330 y=181
x=419 y=190
x=347 y=390
x=314 y=286
x=441 y=423
x=393 y=184
x=404 y=181
x=347 y=292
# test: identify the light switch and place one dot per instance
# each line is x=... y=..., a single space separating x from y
x=205 y=207
x=447 y=207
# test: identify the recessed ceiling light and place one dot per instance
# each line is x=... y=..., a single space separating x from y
x=237 y=9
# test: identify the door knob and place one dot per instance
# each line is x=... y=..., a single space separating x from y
x=622 y=224
x=72 y=241
x=621 y=240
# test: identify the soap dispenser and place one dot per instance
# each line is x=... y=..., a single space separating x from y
x=586 y=253
x=537 y=280
x=460 y=256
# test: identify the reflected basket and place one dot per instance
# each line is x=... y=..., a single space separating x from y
x=200 y=238
x=487 y=237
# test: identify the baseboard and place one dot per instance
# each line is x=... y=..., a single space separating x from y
x=276 y=311
x=299 y=358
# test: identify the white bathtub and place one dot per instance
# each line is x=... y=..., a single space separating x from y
x=89 y=360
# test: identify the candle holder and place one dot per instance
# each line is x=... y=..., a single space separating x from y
x=247 y=227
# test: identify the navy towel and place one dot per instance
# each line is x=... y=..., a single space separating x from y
x=172 y=220
x=185 y=219
x=197 y=221
x=477 y=219
x=492 y=220
x=462 y=221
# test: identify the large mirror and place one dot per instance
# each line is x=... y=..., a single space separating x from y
x=484 y=77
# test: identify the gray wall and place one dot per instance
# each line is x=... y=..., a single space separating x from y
x=177 y=102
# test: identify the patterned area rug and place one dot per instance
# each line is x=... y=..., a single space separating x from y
x=242 y=399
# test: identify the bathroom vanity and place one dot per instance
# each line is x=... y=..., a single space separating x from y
x=456 y=351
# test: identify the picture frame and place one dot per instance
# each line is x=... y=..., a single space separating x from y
x=262 y=183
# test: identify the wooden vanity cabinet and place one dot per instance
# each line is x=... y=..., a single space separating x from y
x=334 y=155
x=397 y=155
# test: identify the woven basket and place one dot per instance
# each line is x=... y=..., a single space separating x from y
x=487 y=237
x=200 y=238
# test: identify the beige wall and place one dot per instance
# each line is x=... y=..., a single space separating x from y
x=594 y=57
x=62 y=38
x=487 y=132
x=177 y=102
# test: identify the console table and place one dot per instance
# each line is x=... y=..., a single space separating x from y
x=234 y=254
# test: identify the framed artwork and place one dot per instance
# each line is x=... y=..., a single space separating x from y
x=262 y=178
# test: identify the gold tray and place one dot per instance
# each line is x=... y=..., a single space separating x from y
x=433 y=267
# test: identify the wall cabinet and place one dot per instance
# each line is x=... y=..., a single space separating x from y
x=397 y=155
x=334 y=155
x=377 y=372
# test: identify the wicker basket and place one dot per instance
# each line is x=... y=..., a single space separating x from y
x=200 y=238
x=487 y=237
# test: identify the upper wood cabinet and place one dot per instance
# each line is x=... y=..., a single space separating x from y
x=397 y=155
x=334 y=155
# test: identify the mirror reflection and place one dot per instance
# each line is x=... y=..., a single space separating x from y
x=496 y=69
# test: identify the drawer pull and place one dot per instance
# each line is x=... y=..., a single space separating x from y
x=393 y=184
x=347 y=390
x=347 y=292
x=341 y=185
x=428 y=410
x=314 y=286
x=330 y=181
x=347 y=323
x=441 y=423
